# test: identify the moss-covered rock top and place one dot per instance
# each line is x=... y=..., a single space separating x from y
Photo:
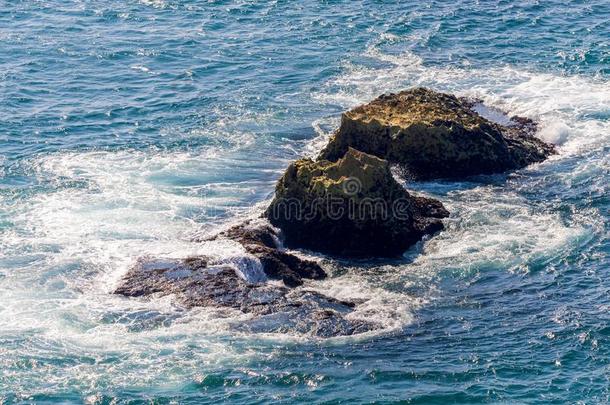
x=416 y=106
x=351 y=207
x=356 y=175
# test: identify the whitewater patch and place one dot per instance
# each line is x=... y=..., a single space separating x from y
x=101 y=211
x=391 y=309
x=106 y=208
x=493 y=228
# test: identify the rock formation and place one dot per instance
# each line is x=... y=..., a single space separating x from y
x=435 y=135
x=197 y=281
x=346 y=203
x=352 y=207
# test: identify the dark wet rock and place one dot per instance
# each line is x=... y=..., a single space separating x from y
x=150 y=276
x=197 y=283
x=261 y=240
x=352 y=207
x=436 y=135
x=237 y=279
x=251 y=233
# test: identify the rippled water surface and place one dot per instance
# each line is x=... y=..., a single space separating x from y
x=127 y=127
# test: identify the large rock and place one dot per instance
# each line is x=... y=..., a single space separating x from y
x=353 y=207
x=198 y=282
x=436 y=135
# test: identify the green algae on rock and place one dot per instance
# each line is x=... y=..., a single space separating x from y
x=352 y=207
x=436 y=135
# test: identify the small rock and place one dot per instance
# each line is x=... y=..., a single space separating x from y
x=261 y=240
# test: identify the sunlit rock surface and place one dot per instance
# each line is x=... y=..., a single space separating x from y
x=436 y=135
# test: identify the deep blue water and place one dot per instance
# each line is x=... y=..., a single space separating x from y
x=126 y=127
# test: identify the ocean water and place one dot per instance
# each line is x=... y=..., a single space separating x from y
x=127 y=127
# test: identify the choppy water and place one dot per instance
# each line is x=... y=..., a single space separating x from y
x=126 y=127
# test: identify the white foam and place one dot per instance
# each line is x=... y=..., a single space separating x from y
x=221 y=253
x=154 y=3
x=67 y=247
x=503 y=234
x=140 y=68
x=230 y=253
x=555 y=132
x=391 y=310
x=109 y=208
x=493 y=114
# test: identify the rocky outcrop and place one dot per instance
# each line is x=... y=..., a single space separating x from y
x=435 y=135
x=199 y=282
x=261 y=240
x=352 y=207
x=347 y=203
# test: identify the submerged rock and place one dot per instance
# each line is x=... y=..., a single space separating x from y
x=436 y=135
x=234 y=274
x=352 y=207
x=196 y=282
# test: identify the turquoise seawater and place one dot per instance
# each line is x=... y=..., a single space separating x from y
x=127 y=127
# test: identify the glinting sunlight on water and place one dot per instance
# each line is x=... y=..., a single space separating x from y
x=133 y=131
